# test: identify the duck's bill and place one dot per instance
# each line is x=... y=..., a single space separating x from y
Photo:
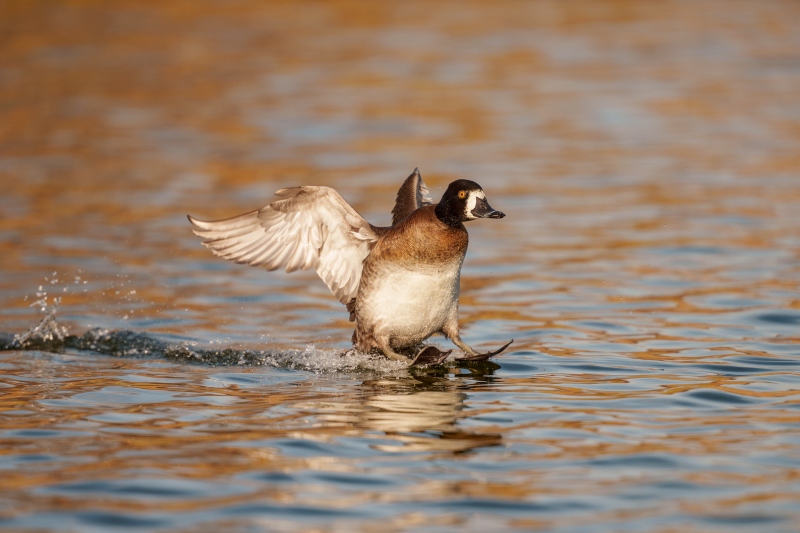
x=484 y=210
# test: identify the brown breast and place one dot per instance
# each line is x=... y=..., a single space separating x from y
x=421 y=238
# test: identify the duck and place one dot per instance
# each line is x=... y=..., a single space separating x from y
x=400 y=283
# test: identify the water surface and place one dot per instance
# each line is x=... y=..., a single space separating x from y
x=646 y=156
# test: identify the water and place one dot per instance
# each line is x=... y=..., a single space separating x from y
x=646 y=156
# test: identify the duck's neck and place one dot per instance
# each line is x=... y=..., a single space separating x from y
x=446 y=215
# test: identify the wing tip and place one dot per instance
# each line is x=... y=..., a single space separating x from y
x=291 y=191
x=197 y=225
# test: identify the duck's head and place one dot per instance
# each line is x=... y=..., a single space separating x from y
x=464 y=200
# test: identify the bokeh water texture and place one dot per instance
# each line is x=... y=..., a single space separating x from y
x=647 y=155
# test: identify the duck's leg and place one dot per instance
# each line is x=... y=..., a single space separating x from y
x=450 y=329
x=426 y=356
x=485 y=356
x=382 y=342
x=463 y=345
x=391 y=354
x=367 y=341
x=430 y=355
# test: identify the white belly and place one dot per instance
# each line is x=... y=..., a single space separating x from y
x=410 y=306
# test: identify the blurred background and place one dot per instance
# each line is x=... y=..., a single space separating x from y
x=647 y=155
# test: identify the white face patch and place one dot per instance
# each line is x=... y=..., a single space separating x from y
x=472 y=199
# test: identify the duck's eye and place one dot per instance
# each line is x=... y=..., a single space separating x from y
x=462 y=194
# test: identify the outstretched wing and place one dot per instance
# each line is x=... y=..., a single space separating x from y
x=410 y=197
x=311 y=227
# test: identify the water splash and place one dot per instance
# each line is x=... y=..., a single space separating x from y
x=47 y=334
x=126 y=343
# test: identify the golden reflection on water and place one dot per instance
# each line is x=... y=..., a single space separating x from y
x=115 y=419
x=647 y=155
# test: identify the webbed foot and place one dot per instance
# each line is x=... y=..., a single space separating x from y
x=430 y=355
x=483 y=356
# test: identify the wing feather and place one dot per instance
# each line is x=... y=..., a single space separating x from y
x=259 y=254
x=308 y=227
x=410 y=197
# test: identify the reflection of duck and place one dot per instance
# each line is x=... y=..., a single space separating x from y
x=400 y=283
x=421 y=413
